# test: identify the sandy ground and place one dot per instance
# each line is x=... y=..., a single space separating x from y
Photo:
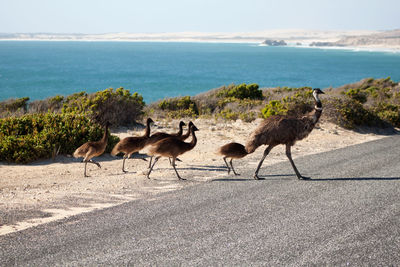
x=49 y=190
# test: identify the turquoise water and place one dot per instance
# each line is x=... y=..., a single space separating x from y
x=157 y=70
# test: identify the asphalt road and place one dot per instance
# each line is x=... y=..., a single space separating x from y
x=347 y=215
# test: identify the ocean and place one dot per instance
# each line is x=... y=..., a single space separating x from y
x=156 y=70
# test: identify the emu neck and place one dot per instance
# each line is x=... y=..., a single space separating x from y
x=316 y=114
x=105 y=135
x=147 y=133
x=194 y=140
x=186 y=135
x=179 y=133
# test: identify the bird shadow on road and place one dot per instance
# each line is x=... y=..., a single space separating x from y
x=264 y=177
x=354 y=179
x=202 y=168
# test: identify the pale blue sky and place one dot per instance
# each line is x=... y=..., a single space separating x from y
x=150 y=16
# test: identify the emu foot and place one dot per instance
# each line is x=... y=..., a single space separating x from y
x=182 y=179
x=303 y=177
x=257 y=178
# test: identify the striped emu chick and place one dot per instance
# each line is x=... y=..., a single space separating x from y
x=92 y=149
x=154 y=138
x=132 y=144
x=233 y=151
x=285 y=130
x=172 y=147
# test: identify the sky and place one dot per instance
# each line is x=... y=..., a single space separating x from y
x=156 y=16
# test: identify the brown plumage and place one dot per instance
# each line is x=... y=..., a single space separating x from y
x=284 y=130
x=172 y=147
x=154 y=138
x=132 y=144
x=92 y=149
x=233 y=151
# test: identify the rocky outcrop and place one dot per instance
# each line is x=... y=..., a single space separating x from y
x=274 y=43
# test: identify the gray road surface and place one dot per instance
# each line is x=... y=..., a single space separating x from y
x=347 y=215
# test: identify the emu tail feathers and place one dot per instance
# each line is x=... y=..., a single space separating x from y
x=76 y=153
x=115 y=150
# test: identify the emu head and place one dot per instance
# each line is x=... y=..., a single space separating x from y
x=181 y=124
x=194 y=128
x=149 y=120
x=317 y=91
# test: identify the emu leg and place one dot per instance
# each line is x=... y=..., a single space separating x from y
x=266 y=152
x=229 y=169
x=233 y=168
x=94 y=162
x=151 y=168
x=170 y=162
x=289 y=155
x=151 y=158
x=123 y=163
x=84 y=174
x=173 y=165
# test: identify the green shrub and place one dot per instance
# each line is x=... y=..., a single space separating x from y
x=274 y=107
x=119 y=107
x=34 y=136
x=350 y=113
x=388 y=112
x=248 y=116
x=299 y=101
x=179 y=107
x=357 y=94
x=242 y=91
x=228 y=114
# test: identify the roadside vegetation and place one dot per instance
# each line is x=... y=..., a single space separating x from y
x=31 y=130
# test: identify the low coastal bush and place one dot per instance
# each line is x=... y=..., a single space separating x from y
x=350 y=113
x=119 y=107
x=297 y=102
x=228 y=102
x=179 y=107
x=67 y=122
x=241 y=91
x=37 y=136
x=370 y=102
x=13 y=106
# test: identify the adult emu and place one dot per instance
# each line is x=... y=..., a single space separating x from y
x=285 y=130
